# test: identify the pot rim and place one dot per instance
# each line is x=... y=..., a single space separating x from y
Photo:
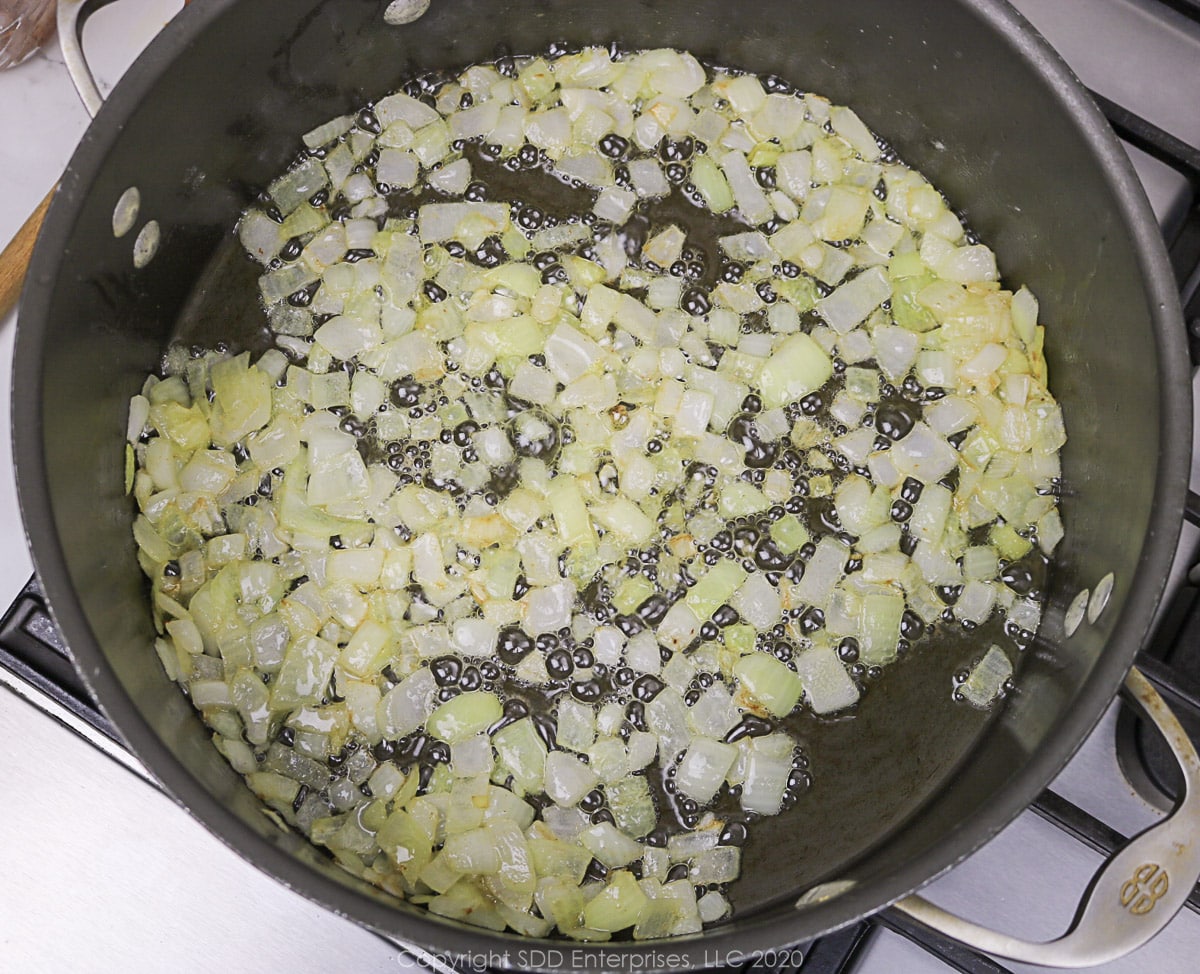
x=749 y=935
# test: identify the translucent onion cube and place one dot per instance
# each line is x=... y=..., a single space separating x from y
x=714 y=588
x=210 y=693
x=750 y=246
x=769 y=683
x=642 y=653
x=347 y=337
x=684 y=846
x=882 y=613
x=587 y=167
x=695 y=410
x=987 y=678
x=643 y=748
x=1026 y=613
x=305 y=673
x=766 y=782
x=748 y=195
x=609 y=643
x=472 y=756
x=648 y=178
x=468 y=799
x=702 y=771
x=758 y=602
x=474 y=637
x=717 y=865
x=464 y=716
x=615 y=204
x=980 y=562
x=548 y=609
x=923 y=454
x=570 y=353
x=849 y=305
x=655 y=863
x=683 y=895
x=679 y=671
x=632 y=805
x=667 y=718
x=797 y=367
x=451 y=179
x=610 y=718
x=469 y=223
x=520 y=751
x=626 y=521
x=567 y=778
x=714 y=714
x=617 y=906
x=612 y=847
x=550 y=130
x=576 y=724
x=1050 y=531
x=663 y=248
x=404 y=108
x=609 y=759
x=504 y=805
x=472 y=852
x=553 y=857
x=976 y=601
x=822 y=572
x=827 y=686
x=679 y=627
x=561 y=900
x=712 y=906
x=658 y=917
x=566 y=823
x=298 y=184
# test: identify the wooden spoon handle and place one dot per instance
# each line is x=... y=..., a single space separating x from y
x=14 y=260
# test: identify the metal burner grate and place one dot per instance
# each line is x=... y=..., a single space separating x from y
x=1172 y=661
x=1189 y=8
x=32 y=648
x=1184 y=247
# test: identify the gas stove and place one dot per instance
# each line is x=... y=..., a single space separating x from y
x=103 y=872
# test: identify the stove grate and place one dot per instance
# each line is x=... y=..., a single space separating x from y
x=32 y=648
x=1189 y=8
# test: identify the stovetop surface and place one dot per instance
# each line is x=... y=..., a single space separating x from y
x=103 y=872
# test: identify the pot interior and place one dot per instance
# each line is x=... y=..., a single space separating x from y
x=962 y=90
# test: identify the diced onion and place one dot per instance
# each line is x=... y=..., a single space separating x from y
x=987 y=678
x=499 y=455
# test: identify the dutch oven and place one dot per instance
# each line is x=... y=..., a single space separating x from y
x=969 y=94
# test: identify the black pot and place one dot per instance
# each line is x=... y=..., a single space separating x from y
x=965 y=91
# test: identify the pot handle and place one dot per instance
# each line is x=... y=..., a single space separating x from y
x=72 y=15
x=1133 y=896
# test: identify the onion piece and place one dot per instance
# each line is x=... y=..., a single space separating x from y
x=702 y=770
x=769 y=683
x=464 y=716
x=610 y=846
x=827 y=686
x=987 y=678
